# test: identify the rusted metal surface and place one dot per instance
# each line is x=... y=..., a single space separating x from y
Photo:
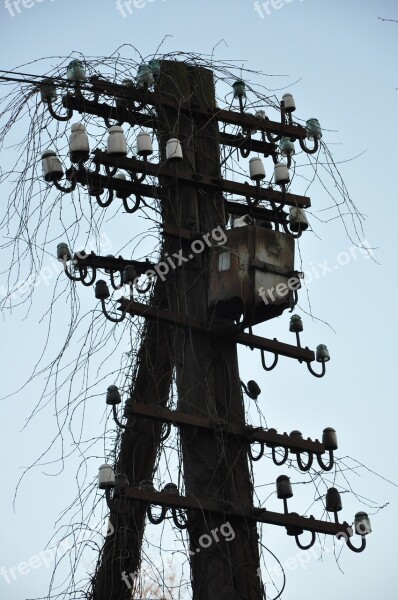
x=90 y=178
x=254 y=123
x=257 y=514
x=198 y=179
x=244 y=120
x=258 y=259
x=255 y=341
x=246 y=339
x=83 y=106
x=165 y=415
x=112 y=264
x=237 y=141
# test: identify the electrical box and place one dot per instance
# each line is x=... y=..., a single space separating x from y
x=252 y=275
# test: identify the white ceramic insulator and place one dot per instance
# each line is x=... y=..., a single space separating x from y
x=256 y=168
x=144 y=144
x=290 y=104
x=78 y=139
x=173 y=149
x=116 y=143
x=51 y=164
x=298 y=217
x=281 y=174
x=106 y=476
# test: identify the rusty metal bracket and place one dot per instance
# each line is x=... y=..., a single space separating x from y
x=246 y=339
x=261 y=515
x=270 y=438
x=200 y=180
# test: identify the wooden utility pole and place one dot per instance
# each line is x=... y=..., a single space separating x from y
x=208 y=383
x=215 y=466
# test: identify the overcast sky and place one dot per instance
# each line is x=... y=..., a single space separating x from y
x=339 y=60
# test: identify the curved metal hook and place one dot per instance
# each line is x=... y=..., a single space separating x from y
x=259 y=455
x=83 y=274
x=165 y=435
x=328 y=467
x=353 y=548
x=112 y=278
x=107 y=202
x=69 y=275
x=145 y=289
x=184 y=523
x=136 y=205
x=273 y=138
x=308 y=546
x=321 y=374
x=276 y=358
x=284 y=458
x=109 y=317
x=257 y=198
x=309 y=150
x=118 y=422
x=247 y=391
x=293 y=235
x=52 y=112
x=301 y=465
x=66 y=190
x=156 y=520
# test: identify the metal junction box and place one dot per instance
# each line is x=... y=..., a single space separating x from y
x=252 y=275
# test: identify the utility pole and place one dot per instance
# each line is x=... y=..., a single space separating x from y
x=186 y=330
x=208 y=380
